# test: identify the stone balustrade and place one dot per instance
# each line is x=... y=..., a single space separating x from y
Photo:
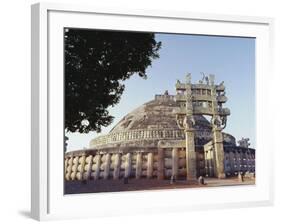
x=139 y=134
x=153 y=163
x=236 y=159
x=159 y=163
x=153 y=134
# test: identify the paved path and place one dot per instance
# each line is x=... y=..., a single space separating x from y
x=74 y=187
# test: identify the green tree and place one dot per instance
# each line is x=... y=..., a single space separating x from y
x=96 y=63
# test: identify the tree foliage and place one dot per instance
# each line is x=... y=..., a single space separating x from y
x=96 y=63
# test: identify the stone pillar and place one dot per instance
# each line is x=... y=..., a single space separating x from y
x=98 y=163
x=251 y=161
x=83 y=161
x=107 y=166
x=75 y=167
x=65 y=165
x=175 y=162
x=128 y=165
x=244 y=161
x=218 y=153
x=190 y=155
x=90 y=164
x=117 y=163
x=231 y=161
x=149 y=164
x=211 y=163
x=160 y=164
x=238 y=161
x=69 y=168
x=247 y=160
x=206 y=163
x=138 y=165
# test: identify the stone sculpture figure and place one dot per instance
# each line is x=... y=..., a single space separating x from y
x=216 y=121
x=203 y=78
x=244 y=142
x=188 y=78
x=188 y=122
x=212 y=79
x=207 y=80
x=223 y=121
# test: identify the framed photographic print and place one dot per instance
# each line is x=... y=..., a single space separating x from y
x=152 y=110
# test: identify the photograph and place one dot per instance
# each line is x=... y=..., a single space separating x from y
x=157 y=111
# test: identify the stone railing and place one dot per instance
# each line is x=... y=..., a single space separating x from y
x=153 y=134
x=139 y=134
x=157 y=163
x=164 y=97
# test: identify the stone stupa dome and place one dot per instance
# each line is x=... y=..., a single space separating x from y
x=150 y=123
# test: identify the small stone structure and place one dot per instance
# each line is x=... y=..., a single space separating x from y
x=167 y=137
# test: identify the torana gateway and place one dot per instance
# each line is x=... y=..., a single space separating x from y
x=169 y=136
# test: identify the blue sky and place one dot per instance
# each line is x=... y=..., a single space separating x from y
x=230 y=59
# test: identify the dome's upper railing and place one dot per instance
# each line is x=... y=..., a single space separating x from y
x=139 y=134
x=153 y=134
x=164 y=97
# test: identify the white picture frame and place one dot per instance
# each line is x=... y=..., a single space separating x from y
x=48 y=200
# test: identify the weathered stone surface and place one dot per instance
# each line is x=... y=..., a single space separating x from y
x=218 y=154
x=171 y=144
x=149 y=165
x=117 y=162
x=175 y=162
x=138 y=165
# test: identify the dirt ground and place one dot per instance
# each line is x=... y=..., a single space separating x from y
x=91 y=186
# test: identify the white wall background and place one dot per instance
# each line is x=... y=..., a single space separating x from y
x=15 y=110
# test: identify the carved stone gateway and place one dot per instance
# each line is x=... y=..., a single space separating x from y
x=204 y=98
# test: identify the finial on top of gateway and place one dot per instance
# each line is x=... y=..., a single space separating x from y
x=188 y=78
